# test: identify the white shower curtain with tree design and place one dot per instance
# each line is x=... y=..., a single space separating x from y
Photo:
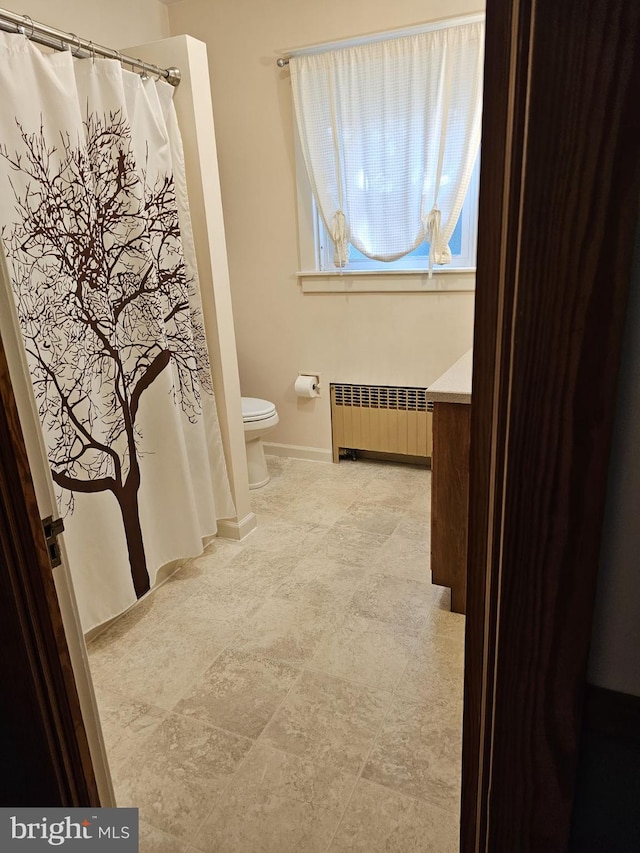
x=96 y=233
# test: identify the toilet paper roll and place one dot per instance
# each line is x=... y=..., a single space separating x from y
x=306 y=386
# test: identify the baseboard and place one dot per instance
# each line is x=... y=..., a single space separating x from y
x=297 y=451
x=238 y=530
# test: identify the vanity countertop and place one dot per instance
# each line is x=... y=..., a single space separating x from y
x=454 y=386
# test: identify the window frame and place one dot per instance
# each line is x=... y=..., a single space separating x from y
x=391 y=279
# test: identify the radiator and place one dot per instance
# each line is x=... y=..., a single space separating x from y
x=381 y=418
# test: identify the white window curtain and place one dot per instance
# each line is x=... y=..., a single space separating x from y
x=390 y=133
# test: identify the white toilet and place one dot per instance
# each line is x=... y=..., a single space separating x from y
x=259 y=417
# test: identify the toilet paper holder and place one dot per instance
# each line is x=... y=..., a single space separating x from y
x=314 y=376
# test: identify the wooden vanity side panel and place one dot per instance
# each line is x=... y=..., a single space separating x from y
x=450 y=499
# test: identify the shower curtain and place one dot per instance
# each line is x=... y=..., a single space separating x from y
x=96 y=233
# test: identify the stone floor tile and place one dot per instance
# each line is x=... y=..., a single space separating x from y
x=441 y=598
x=257 y=572
x=286 y=537
x=414 y=525
x=153 y=840
x=329 y=721
x=371 y=517
x=321 y=582
x=285 y=630
x=239 y=692
x=398 y=493
x=405 y=558
x=418 y=751
x=339 y=489
x=277 y=803
x=228 y=607
x=420 y=506
x=402 y=601
x=163 y=666
x=435 y=670
x=177 y=776
x=350 y=546
x=124 y=719
x=441 y=622
x=306 y=470
x=381 y=821
x=211 y=570
x=366 y=651
x=317 y=507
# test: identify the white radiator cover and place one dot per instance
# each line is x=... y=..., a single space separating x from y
x=382 y=418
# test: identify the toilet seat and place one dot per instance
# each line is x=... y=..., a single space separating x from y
x=254 y=409
x=260 y=425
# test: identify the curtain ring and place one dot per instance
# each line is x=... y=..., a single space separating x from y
x=116 y=54
x=144 y=75
x=30 y=19
x=92 y=52
x=78 y=46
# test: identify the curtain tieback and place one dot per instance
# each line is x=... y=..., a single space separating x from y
x=432 y=230
x=339 y=237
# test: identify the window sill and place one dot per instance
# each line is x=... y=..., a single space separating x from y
x=379 y=281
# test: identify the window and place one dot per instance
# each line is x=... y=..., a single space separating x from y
x=388 y=134
x=462 y=243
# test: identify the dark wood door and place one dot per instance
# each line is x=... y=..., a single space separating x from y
x=43 y=744
x=559 y=192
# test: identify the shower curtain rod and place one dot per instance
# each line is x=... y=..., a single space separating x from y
x=60 y=40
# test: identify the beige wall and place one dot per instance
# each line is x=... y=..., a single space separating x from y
x=387 y=338
x=114 y=23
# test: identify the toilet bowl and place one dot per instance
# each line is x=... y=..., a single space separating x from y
x=259 y=416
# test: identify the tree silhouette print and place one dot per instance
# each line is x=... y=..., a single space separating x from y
x=103 y=299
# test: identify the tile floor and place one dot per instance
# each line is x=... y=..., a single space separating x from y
x=300 y=691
